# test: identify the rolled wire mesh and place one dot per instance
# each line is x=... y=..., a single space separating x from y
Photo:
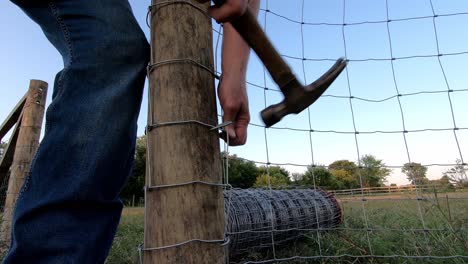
x=251 y=213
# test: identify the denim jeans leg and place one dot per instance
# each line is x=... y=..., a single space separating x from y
x=69 y=207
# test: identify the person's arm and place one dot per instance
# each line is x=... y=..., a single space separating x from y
x=235 y=56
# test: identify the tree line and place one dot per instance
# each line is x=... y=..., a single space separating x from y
x=369 y=171
x=340 y=174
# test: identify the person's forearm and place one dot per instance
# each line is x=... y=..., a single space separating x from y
x=235 y=51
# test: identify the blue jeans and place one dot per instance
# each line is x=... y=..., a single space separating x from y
x=69 y=207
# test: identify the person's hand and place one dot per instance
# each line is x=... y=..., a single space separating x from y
x=228 y=11
x=233 y=98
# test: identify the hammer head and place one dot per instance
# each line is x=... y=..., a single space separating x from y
x=298 y=97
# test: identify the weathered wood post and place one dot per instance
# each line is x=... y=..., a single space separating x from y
x=181 y=149
x=26 y=147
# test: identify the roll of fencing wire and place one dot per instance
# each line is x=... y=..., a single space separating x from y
x=253 y=214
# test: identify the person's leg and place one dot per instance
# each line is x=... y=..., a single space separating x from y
x=69 y=209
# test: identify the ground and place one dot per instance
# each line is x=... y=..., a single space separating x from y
x=392 y=225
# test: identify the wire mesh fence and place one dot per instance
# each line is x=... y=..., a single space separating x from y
x=393 y=232
x=419 y=223
x=412 y=225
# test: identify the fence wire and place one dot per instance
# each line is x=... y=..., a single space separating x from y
x=297 y=226
x=364 y=224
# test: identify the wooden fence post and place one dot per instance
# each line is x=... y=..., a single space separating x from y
x=26 y=147
x=182 y=91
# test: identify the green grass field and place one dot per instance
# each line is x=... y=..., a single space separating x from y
x=393 y=226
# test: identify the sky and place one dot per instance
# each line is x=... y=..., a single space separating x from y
x=370 y=78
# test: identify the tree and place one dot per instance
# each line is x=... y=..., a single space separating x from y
x=136 y=181
x=276 y=176
x=345 y=180
x=346 y=165
x=265 y=180
x=297 y=177
x=345 y=172
x=443 y=183
x=415 y=172
x=458 y=174
x=242 y=173
x=323 y=178
x=373 y=171
x=276 y=172
x=3 y=146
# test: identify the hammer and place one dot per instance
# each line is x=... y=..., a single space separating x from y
x=296 y=96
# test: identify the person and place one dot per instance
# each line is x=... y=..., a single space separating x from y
x=68 y=209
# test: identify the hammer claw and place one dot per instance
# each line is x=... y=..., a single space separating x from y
x=327 y=78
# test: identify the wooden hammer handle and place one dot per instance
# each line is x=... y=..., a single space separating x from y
x=248 y=27
x=252 y=33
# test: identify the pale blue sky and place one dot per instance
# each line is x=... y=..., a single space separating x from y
x=26 y=54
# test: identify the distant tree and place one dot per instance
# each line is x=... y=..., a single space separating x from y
x=345 y=172
x=444 y=183
x=346 y=165
x=458 y=175
x=415 y=172
x=242 y=173
x=264 y=180
x=136 y=181
x=444 y=179
x=275 y=172
x=274 y=175
x=297 y=177
x=321 y=176
x=345 y=180
x=373 y=171
x=3 y=146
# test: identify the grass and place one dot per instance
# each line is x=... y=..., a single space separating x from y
x=391 y=222
x=395 y=228
x=389 y=228
x=129 y=236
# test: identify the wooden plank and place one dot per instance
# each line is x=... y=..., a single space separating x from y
x=26 y=147
x=12 y=118
x=181 y=153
